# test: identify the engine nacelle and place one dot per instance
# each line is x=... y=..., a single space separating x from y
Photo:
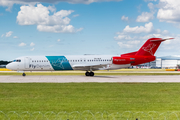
x=133 y=60
x=121 y=60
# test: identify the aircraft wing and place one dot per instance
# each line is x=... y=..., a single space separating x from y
x=90 y=67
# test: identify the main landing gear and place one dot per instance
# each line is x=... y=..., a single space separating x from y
x=24 y=74
x=89 y=73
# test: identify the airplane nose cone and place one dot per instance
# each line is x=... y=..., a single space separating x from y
x=9 y=66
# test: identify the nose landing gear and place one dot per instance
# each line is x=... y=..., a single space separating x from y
x=24 y=74
x=89 y=73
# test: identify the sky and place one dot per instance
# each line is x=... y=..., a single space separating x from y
x=77 y=27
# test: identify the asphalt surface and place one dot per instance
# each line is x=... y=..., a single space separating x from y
x=98 y=79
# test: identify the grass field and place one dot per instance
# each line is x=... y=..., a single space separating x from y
x=94 y=97
x=111 y=97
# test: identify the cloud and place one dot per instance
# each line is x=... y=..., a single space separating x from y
x=22 y=44
x=151 y=7
x=122 y=36
x=150 y=0
x=8 y=34
x=15 y=37
x=32 y=44
x=76 y=15
x=6 y=2
x=129 y=33
x=132 y=38
x=124 y=18
x=128 y=44
x=135 y=42
x=145 y=17
x=123 y=45
x=10 y=3
x=56 y=28
x=142 y=29
x=32 y=49
x=57 y=23
x=30 y=15
x=58 y=40
x=169 y=11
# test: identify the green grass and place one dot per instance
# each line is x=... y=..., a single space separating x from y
x=96 y=97
x=106 y=98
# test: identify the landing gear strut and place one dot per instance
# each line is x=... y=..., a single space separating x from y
x=24 y=74
x=89 y=73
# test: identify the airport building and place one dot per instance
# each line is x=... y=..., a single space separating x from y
x=162 y=62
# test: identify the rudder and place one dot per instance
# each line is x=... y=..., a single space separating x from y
x=150 y=46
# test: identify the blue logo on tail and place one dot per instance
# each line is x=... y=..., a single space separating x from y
x=59 y=62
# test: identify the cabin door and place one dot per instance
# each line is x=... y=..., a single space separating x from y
x=26 y=62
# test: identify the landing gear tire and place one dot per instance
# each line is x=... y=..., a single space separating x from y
x=91 y=73
x=87 y=74
x=24 y=74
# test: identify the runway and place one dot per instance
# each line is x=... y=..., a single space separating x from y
x=98 y=79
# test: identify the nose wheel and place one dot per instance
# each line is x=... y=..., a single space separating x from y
x=24 y=74
x=89 y=73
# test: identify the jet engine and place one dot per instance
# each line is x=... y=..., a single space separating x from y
x=121 y=60
x=133 y=60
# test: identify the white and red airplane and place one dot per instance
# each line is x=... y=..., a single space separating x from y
x=88 y=63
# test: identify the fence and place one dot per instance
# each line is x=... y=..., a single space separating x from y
x=88 y=115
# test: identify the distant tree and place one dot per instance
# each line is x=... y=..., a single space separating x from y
x=4 y=62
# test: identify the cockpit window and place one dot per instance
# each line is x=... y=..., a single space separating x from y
x=17 y=60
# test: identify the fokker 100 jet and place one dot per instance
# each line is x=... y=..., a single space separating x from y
x=88 y=63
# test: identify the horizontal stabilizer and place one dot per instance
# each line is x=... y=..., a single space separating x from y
x=150 y=46
x=160 y=39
